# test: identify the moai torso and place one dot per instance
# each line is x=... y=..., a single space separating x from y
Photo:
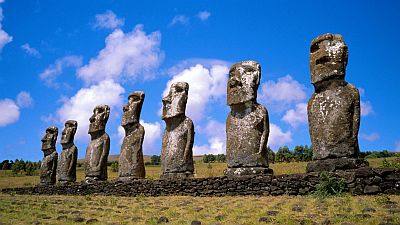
x=99 y=146
x=177 y=142
x=245 y=136
x=131 y=163
x=69 y=155
x=334 y=108
x=48 y=168
x=247 y=125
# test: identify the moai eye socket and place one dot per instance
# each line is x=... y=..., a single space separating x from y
x=314 y=47
x=178 y=89
x=135 y=98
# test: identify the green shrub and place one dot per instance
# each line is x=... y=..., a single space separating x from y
x=329 y=186
x=391 y=163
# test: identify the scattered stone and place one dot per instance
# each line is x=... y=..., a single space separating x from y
x=366 y=210
x=393 y=211
x=122 y=206
x=197 y=208
x=195 y=222
x=63 y=211
x=136 y=219
x=163 y=219
x=76 y=213
x=297 y=208
x=43 y=216
x=164 y=208
x=78 y=219
x=36 y=223
x=63 y=217
x=220 y=217
x=89 y=221
x=390 y=206
x=272 y=213
x=265 y=219
x=326 y=222
x=362 y=216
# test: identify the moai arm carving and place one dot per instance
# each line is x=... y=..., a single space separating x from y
x=189 y=143
x=105 y=152
x=265 y=135
x=72 y=165
x=356 y=116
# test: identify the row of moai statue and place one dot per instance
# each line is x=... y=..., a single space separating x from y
x=333 y=115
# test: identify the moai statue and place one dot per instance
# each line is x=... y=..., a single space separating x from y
x=334 y=107
x=131 y=164
x=99 y=146
x=177 y=142
x=69 y=154
x=48 y=168
x=247 y=125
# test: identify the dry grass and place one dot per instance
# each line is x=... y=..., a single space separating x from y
x=183 y=210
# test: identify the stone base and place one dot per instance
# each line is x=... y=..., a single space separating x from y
x=247 y=171
x=65 y=182
x=332 y=165
x=93 y=180
x=185 y=175
x=123 y=179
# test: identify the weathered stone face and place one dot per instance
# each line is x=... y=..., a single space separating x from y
x=99 y=118
x=133 y=109
x=177 y=142
x=66 y=170
x=131 y=163
x=48 y=168
x=334 y=108
x=328 y=57
x=174 y=104
x=247 y=125
x=99 y=146
x=244 y=79
x=49 y=139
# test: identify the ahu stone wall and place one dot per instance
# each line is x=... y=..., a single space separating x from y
x=358 y=182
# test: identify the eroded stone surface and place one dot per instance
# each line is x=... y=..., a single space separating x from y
x=247 y=125
x=131 y=164
x=67 y=165
x=48 y=168
x=334 y=108
x=177 y=142
x=99 y=147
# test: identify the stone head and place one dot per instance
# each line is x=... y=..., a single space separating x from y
x=174 y=104
x=244 y=79
x=99 y=118
x=328 y=58
x=67 y=135
x=133 y=109
x=49 y=139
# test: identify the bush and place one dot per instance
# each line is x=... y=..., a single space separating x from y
x=114 y=166
x=329 y=186
x=391 y=163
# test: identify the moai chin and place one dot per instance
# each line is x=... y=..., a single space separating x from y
x=48 y=168
x=131 y=164
x=66 y=171
x=334 y=107
x=247 y=125
x=177 y=142
x=99 y=146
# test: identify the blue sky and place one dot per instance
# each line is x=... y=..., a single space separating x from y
x=59 y=59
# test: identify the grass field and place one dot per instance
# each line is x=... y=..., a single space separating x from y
x=153 y=172
x=183 y=210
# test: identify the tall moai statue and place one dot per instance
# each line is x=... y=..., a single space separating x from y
x=131 y=164
x=177 y=142
x=48 y=168
x=99 y=146
x=333 y=109
x=247 y=125
x=66 y=170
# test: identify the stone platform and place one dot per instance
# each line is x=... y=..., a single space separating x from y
x=247 y=171
x=336 y=164
x=358 y=182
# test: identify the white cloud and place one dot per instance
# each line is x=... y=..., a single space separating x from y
x=277 y=137
x=204 y=84
x=370 y=137
x=283 y=92
x=152 y=135
x=24 y=99
x=215 y=132
x=126 y=55
x=4 y=37
x=30 y=50
x=182 y=19
x=108 y=20
x=296 y=116
x=366 y=108
x=204 y=15
x=9 y=112
x=50 y=74
x=80 y=106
